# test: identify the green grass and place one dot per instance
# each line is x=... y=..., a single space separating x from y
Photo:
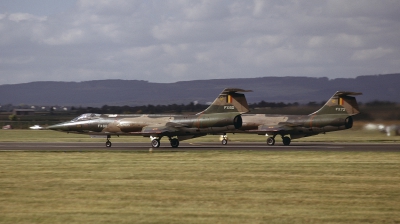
x=199 y=187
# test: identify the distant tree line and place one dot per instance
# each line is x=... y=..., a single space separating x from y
x=171 y=108
x=382 y=110
x=181 y=108
x=145 y=109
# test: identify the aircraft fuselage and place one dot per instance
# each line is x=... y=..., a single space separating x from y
x=295 y=125
x=142 y=124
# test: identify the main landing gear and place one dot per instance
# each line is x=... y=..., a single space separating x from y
x=271 y=140
x=174 y=142
x=155 y=142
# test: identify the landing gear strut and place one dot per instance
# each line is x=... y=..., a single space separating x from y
x=224 y=140
x=108 y=142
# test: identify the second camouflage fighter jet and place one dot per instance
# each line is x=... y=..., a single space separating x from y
x=336 y=114
x=223 y=115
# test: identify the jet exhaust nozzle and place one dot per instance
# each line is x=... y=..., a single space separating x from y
x=238 y=121
x=348 y=123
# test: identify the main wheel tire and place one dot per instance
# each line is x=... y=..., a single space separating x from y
x=270 y=141
x=108 y=144
x=174 y=142
x=286 y=140
x=155 y=143
x=224 y=141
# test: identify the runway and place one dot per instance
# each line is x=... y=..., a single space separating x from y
x=145 y=146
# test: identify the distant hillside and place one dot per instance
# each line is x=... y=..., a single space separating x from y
x=134 y=92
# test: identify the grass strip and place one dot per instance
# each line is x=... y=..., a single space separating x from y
x=199 y=187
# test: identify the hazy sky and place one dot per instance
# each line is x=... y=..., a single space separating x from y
x=178 y=40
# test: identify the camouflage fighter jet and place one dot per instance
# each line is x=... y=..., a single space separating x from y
x=222 y=115
x=335 y=115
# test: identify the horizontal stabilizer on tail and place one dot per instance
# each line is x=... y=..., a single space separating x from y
x=344 y=93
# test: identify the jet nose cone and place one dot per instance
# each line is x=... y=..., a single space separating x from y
x=57 y=127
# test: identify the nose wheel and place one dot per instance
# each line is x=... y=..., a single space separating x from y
x=224 y=139
x=108 y=142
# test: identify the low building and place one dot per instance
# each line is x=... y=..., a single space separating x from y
x=22 y=112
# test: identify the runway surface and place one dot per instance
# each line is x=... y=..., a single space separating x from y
x=81 y=147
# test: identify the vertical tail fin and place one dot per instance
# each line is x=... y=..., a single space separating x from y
x=340 y=103
x=229 y=101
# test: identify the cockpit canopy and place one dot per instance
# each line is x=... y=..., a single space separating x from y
x=85 y=117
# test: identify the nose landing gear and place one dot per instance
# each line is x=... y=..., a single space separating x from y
x=108 y=142
x=224 y=139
